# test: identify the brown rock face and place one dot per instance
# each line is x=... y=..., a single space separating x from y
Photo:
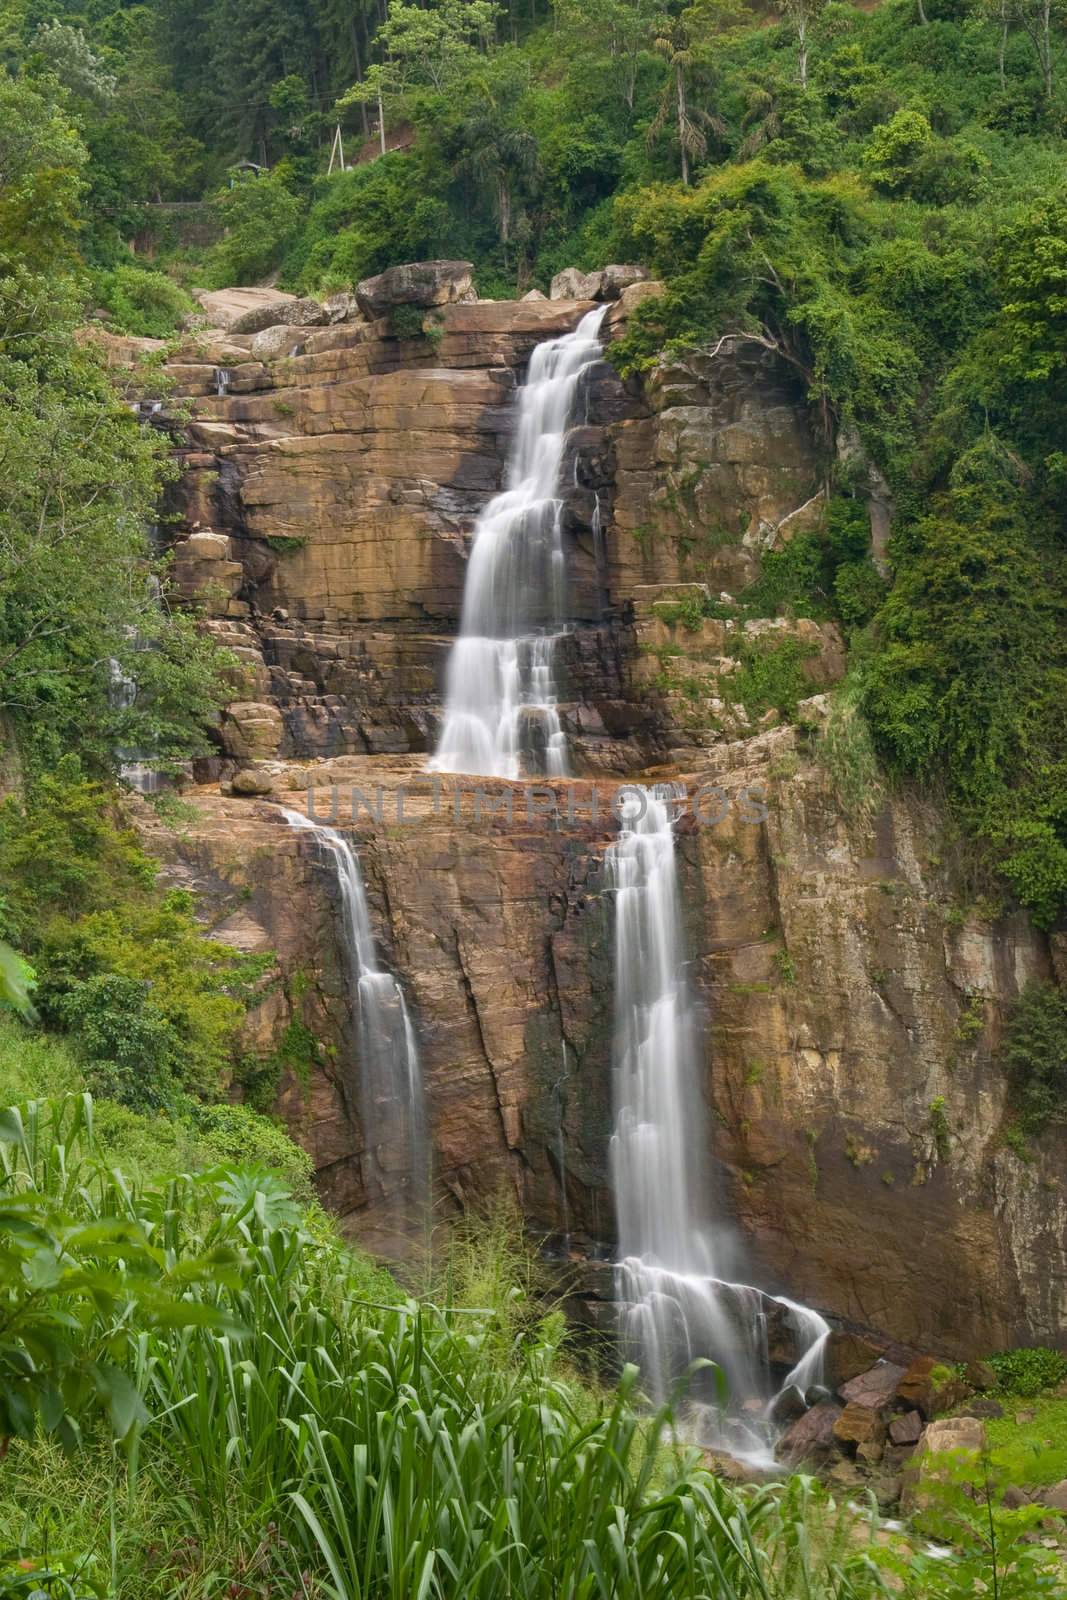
x=335 y=493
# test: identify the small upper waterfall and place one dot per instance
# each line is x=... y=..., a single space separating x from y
x=390 y=1090
x=500 y=702
x=676 y=1263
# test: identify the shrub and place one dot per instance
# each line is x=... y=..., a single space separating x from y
x=145 y=303
x=1027 y=1372
x=261 y=218
x=1033 y=1052
x=236 y=1133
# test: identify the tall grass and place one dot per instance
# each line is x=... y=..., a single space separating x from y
x=322 y=1435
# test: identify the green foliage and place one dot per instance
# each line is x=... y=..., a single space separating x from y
x=771 y=676
x=145 y=303
x=123 y=965
x=1033 y=1053
x=1027 y=1373
x=236 y=1134
x=260 y=218
x=67 y=1277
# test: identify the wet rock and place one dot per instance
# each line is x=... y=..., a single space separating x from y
x=788 y=1405
x=874 y=1388
x=906 y=1429
x=862 y=1432
x=417 y=283
x=810 y=1435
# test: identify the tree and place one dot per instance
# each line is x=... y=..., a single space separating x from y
x=801 y=14
x=685 y=44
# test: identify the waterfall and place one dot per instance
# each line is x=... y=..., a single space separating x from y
x=676 y=1262
x=390 y=1090
x=500 y=692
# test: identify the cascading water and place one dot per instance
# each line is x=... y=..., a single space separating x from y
x=390 y=1090
x=676 y=1264
x=501 y=702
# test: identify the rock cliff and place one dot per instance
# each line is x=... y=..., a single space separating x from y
x=328 y=491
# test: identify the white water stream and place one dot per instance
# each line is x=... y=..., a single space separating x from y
x=676 y=1263
x=500 y=694
x=390 y=1090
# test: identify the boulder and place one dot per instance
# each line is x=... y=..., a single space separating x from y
x=270 y=343
x=1055 y=1498
x=418 y=283
x=615 y=279
x=981 y=1376
x=988 y=1410
x=874 y=1388
x=343 y=307
x=295 y=313
x=906 y=1429
x=573 y=284
x=948 y=1437
x=811 y=1434
x=930 y=1387
x=224 y=307
x=534 y=294
x=862 y=1432
x=788 y=1405
x=252 y=781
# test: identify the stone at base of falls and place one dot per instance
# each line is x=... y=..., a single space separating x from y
x=252 y=781
x=988 y=1410
x=788 y=1405
x=980 y=1375
x=728 y=1467
x=906 y=1429
x=417 y=283
x=862 y=1431
x=945 y=1438
x=926 y=1386
x=874 y=1388
x=811 y=1437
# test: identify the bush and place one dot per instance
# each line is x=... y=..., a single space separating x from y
x=236 y=1133
x=1033 y=1053
x=261 y=218
x=133 y=1054
x=1027 y=1373
x=145 y=303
